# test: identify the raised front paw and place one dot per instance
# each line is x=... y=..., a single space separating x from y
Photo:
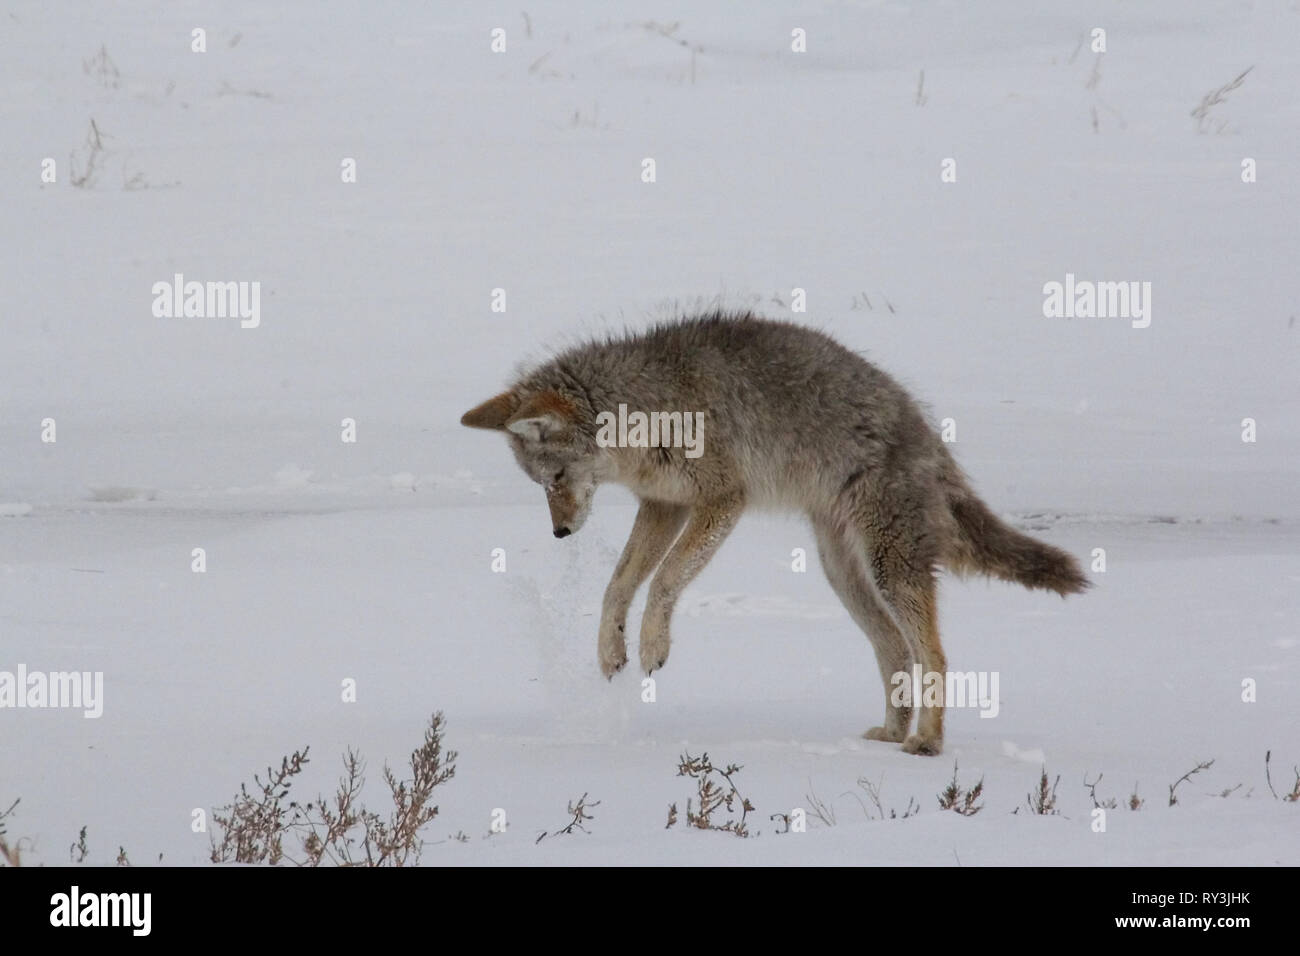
x=654 y=652
x=611 y=664
x=611 y=648
x=613 y=657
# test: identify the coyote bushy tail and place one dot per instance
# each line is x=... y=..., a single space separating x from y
x=985 y=544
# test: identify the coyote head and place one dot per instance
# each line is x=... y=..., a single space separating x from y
x=551 y=447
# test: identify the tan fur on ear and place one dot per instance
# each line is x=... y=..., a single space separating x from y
x=494 y=413
x=541 y=415
x=547 y=403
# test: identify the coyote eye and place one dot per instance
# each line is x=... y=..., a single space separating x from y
x=558 y=475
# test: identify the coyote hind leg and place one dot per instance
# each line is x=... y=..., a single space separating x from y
x=843 y=556
x=909 y=592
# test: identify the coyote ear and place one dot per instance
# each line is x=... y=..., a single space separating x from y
x=542 y=415
x=493 y=413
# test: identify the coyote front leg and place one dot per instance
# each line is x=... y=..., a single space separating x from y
x=709 y=525
x=656 y=527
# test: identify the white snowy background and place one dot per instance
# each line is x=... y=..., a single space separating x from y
x=521 y=170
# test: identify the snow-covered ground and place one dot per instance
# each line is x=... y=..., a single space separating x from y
x=521 y=170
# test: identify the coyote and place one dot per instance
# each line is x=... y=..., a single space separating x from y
x=790 y=419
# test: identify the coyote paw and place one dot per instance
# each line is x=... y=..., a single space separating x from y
x=925 y=746
x=612 y=660
x=882 y=733
x=611 y=648
x=653 y=655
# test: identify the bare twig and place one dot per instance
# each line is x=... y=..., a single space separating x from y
x=1094 y=78
x=1075 y=55
x=1204 y=765
x=11 y=855
x=94 y=150
x=1213 y=98
x=103 y=69
x=822 y=811
x=1110 y=804
x=77 y=852
x=578 y=810
x=1292 y=797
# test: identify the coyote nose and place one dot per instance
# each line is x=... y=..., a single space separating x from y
x=562 y=532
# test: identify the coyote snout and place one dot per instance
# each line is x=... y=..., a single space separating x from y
x=569 y=506
x=796 y=420
x=552 y=448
